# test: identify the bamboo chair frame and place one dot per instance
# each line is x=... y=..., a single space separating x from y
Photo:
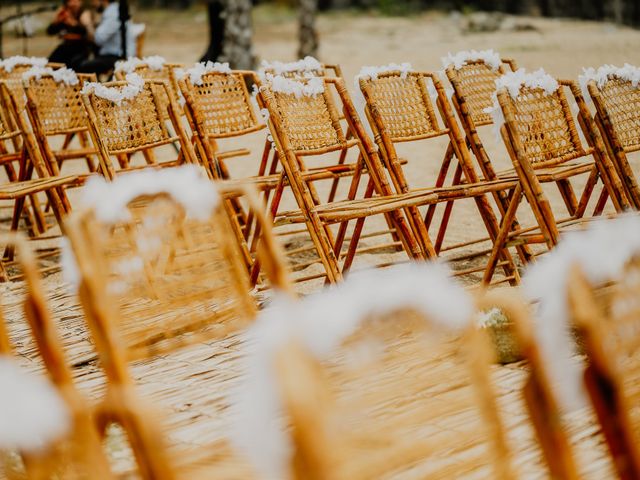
x=618 y=121
x=539 y=158
x=399 y=109
x=308 y=126
x=135 y=126
x=611 y=378
x=80 y=453
x=106 y=310
x=342 y=425
x=56 y=109
x=20 y=137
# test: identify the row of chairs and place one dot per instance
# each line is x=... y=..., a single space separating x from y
x=386 y=375
x=539 y=131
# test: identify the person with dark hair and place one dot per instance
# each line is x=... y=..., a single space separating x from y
x=113 y=37
x=74 y=26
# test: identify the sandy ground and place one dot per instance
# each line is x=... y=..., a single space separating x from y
x=562 y=47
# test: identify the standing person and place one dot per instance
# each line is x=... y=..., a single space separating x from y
x=74 y=26
x=114 y=26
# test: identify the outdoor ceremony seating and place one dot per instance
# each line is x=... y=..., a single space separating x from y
x=378 y=377
x=304 y=123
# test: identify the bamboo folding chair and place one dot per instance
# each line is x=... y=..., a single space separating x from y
x=134 y=125
x=55 y=109
x=616 y=100
x=612 y=378
x=19 y=144
x=78 y=454
x=401 y=392
x=474 y=83
x=219 y=107
x=542 y=140
x=399 y=109
x=308 y=125
x=157 y=276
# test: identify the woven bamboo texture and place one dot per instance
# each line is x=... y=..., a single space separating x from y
x=221 y=105
x=166 y=74
x=56 y=108
x=134 y=126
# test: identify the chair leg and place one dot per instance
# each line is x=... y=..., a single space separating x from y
x=499 y=244
x=568 y=195
x=447 y=211
x=442 y=175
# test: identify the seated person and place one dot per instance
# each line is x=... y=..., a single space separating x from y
x=74 y=26
x=108 y=39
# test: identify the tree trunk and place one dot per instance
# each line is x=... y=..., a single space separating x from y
x=238 y=35
x=215 y=9
x=307 y=34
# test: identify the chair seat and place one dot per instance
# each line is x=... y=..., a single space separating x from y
x=553 y=174
x=351 y=209
x=13 y=190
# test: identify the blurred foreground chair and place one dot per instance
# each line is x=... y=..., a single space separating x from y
x=159 y=269
x=540 y=134
x=616 y=96
x=611 y=338
x=59 y=437
x=384 y=376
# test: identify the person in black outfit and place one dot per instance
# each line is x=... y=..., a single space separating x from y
x=73 y=25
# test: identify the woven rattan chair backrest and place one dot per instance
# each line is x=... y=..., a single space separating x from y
x=403 y=103
x=160 y=279
x=475 y=83
x=620 y=99
x=166 y=74
x=134 y=124
x=58 y=106
x=310 y=123
x=400 y=395
x=221 y=105
x=543 y=125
